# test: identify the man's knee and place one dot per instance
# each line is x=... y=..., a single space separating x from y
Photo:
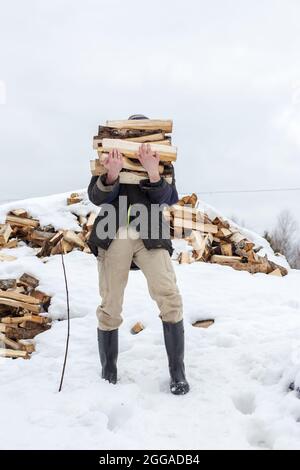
x=107 y=321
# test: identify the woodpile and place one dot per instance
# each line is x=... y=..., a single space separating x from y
x=127 y=136
x=215 y=241
x=20 y=226
x=22 y=309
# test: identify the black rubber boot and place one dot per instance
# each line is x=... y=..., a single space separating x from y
x=174 y=341
x=108 y=351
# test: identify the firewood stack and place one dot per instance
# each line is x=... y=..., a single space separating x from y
x=21 y=319
x=127 y=136
x=215 y=241
x=20 y=226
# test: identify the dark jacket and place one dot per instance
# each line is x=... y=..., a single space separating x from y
x=145 y=193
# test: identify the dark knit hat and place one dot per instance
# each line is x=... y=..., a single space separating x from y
x=137 y=116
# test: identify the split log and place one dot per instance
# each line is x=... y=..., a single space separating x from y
x=5 y=232
x=12 y=353
x=4 y=257
x=91 y=220
x=26 y=318
x=8 y=284
x=203 y=323
x=28 y=281
x=184 y=257
x=129 y=149
x=10 y=342
x=226 y=249
x=137 y=328
x=190 y=224
x=74 y=198
x=165 y=125
x=19 y=213
x=21 y=221
x=72 y=238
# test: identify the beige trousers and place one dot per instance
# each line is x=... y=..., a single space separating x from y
x=114 y=265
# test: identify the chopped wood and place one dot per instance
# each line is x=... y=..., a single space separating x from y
x=5 y=232
x=190 y=224
x=188 y=200
x=36 y=308
x=74 y=198
x=9 y=342
x=226 y=249
x=165 y=125
x=21 y=221
x=72 y=238
x=28 y=280
x=159 y=136
x=19 y=213
x=13 y=353
x=203 y=323
x=137 y=328
x=4 y=257
x=185 y=257
x=220 y=259
x=276 y=272
x=129 y=149
x=17 y=296
x=11 y=243
x=26 y=318
x=90 y=220
x=8 y=284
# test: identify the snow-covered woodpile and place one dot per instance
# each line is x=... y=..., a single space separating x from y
x=22 y=315
x=20 y=226
x=216 y=241
x=127 y=136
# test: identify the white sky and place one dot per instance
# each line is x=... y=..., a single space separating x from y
x=226 y=71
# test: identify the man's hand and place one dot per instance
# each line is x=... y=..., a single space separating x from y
x=150 y=161
x=114 y=164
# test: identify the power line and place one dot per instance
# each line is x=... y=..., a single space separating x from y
x=246 y=191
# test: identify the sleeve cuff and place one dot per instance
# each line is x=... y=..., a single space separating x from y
x=146 y=184
x=103 y=187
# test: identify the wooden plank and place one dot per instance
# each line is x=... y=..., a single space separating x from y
x=167 y=153
x=165 y=125
x=5 y=233
x=12 y=353
x=190 y=224
x=21 y=221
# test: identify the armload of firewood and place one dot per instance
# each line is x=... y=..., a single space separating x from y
x=21 y=319
x=19 y=226
x=215 y=241
x=127 y=136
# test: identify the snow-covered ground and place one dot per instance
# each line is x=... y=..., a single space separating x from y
x=239 y=369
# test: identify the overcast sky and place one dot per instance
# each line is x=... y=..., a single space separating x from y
x=226 y=71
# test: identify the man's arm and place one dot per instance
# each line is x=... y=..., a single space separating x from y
x=101 y=193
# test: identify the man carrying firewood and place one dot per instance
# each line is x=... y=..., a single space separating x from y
x=125 y=245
